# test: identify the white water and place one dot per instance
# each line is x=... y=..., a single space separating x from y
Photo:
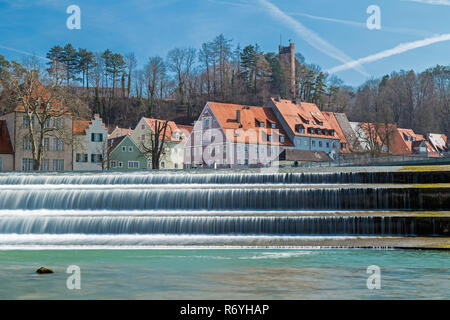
x=144 y=209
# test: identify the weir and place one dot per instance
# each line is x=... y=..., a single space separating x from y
x=244 y=203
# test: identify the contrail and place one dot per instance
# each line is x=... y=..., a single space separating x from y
x=364 y=25
x=24 y=52
x=309 y=36
x=434 y=2
x=403 y=47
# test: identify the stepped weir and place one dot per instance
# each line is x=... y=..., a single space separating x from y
x=64 y=209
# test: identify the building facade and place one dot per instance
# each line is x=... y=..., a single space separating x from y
x=235 y=136
x=124 y=155
x=6 y=149
x=57 y=144
x=306 y=126
x=89 y=144
x=174 y=140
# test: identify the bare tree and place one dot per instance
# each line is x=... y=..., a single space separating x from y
x=44 y=108
x=153 y=145
x=154 y=73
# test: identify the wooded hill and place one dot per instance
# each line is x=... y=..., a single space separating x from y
x=177 y=86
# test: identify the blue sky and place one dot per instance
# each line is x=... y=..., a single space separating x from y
x=329 y=33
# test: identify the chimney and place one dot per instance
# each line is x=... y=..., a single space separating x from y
x=238 y=116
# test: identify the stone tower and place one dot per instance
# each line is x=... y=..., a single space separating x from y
x=287 y=59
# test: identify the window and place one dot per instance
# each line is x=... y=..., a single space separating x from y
x=313 y=143
x=269 y=138
x=306 y=143
x=206 y=123
x=27 y=145
x=47 y=144
x=58 y=165
x=113 y=164
x=25 y=122
x=81 y=157
x=124 y=149
x=143 y=137
x=273 y=125
x=130 y=149
x=320 y=144
x=133 y=164
x=27 y=164
x=143 y=127
x=96 y=137
x=96 y=158
x=328 y=144
x=45 y=165
x=281 y=138
x=120 y=164
x=58 y=144
x=261 y=124
x=343 y=145
x=246 y=148
x=163 y=164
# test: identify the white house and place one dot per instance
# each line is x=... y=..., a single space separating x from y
x=174 y=140
x=90 y=144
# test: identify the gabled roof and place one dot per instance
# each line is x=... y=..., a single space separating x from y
x=119 y=132
x=5 y=140
x=170 y=130
x=413 y=141
x=296 y=114
x=116 y=142
x=80 y=126
x=251 y=117
x=379 y=132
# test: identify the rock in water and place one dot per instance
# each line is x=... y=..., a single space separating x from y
x=43 y=270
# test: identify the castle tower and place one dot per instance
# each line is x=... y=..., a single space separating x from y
x=287 y=59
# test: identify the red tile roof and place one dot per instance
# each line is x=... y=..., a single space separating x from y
x=80 y=126
x=410 y=138
x=299 y=114
x=397 y=144
x=251 y=116
x=5 y=141
x=120 y=132
x=170 y=130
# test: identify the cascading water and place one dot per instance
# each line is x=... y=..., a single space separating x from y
x=64 y=209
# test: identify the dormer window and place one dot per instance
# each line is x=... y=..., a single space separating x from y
x=261 y=124
x=273 y=126
x=281 y=138
x=301 y=129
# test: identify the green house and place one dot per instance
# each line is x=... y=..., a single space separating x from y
x=124 y=155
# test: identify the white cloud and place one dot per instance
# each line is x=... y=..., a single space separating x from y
x=401 y=48
x=435 y=2
x=23 y=52
x=308 y=35
x=364 y=25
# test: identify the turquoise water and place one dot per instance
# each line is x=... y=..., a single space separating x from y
x=226 y=274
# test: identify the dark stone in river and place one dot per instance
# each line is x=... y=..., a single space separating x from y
x=43 y=270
